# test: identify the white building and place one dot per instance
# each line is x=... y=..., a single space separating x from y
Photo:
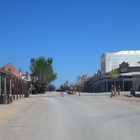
x=111 y=61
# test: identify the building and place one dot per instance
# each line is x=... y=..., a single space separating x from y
x=110 y=61
x=127 y=64
x=26 y=77
x=12 y=86
x=82 y=79
x=11 y=69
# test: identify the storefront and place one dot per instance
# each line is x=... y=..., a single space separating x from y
x=128 y=78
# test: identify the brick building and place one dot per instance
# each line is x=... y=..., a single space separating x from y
x=11 y=69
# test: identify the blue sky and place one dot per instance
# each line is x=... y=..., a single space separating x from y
x=74 y=33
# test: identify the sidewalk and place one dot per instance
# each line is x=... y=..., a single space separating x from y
x=8 y=111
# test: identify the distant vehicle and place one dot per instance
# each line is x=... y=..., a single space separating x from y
x=69 y=92
x=58 y=90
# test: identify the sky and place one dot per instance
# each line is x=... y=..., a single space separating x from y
x=75 y=33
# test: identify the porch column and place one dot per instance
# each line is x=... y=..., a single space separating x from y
x=10 y=85
x=106 y=84
x=5 y=88
x=0 y=83
x=123 y=83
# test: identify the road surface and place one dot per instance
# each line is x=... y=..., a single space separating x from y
x=52 y=117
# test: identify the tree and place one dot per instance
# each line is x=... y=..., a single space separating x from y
x=42 y=70
x=114 y=75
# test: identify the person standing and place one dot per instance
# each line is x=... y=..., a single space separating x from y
x=119 y=89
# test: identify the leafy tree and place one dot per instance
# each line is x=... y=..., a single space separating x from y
x=42 y=70
x=114 y=75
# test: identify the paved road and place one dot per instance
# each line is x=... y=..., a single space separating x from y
x=72 y=117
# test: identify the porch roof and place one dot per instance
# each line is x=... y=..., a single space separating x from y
x=130 y=74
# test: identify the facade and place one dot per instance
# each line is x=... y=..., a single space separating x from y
x=82 y=79
x=110 y=61
x=127 y=64
x=128 y=78
x=11 y=69
x=26 y=77
x=12 y=86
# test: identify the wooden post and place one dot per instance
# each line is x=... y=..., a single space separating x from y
x=13 y=87
x=5 y=88
x=106 y=84
x=0 y=83
x=10 y=85
x=17 y=86
x=20 y=86
x=10 y=89
x=123 y=83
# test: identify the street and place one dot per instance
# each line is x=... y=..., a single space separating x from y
x=72 y=117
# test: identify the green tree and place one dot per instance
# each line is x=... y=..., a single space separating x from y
x=114 y=75
x=42 y=70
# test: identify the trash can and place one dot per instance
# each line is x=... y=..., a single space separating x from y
x=132 y=92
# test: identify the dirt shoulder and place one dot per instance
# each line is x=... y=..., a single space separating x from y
x=127 y=98
x=8 y=111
